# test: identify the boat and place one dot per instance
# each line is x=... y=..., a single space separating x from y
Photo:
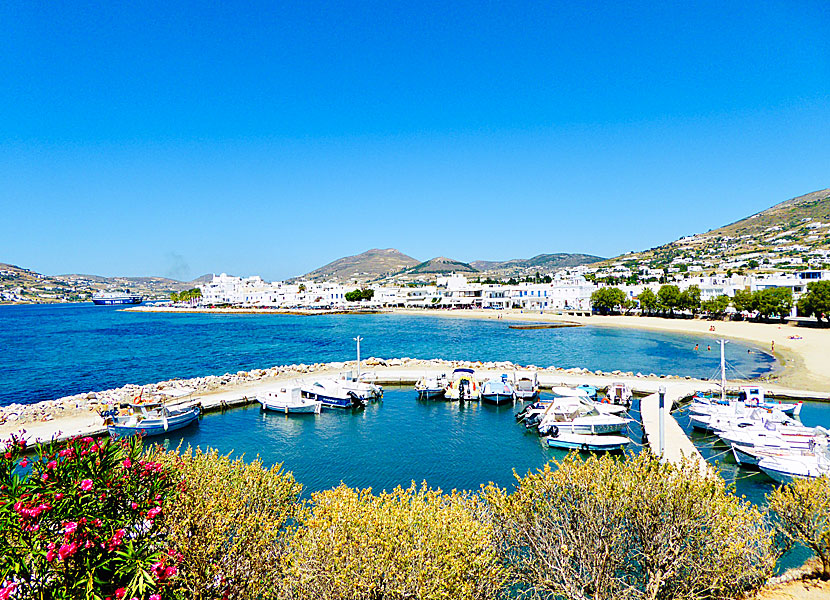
x=109 y=298
x=619 y=393
x=749 y=396
x=787 y=469
x=151 y=418
x=589 y=389
x=331 y=394
x=289 y=401
x=577 y=415
x=431 y=387
x=365 y=390
x=750 y=456
x=463 y=386
x=526 y=385
x=498 y=391
x=771 y=434
x=586 y=443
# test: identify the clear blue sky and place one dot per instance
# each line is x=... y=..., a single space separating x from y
x=178 y=138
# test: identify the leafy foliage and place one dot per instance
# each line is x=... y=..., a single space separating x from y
x=816 y=301
x=631 y=528
x=228 y=524
x=803 y=510
x=774 y=301
x=413 y=543
x=84 y=522
x=186 y=296
x=607 y=299
x=358 y=295
x=648 y=301
x=669 y=298
x=716 y=306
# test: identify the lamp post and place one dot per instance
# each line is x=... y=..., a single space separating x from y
x=357 y=339
x=662 y=418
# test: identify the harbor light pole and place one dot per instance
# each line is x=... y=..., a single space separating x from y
x=722 y=371
x=357 y=339
x=662 y=419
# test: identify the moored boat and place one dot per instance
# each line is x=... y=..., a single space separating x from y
x=289 y=401
x=561 y=438
x=432 y=387
x=151 y=418
x=498 y=391
x=463 y=385
x=526 y=385
x=787 y=469
x=331 y=394
x=114 y=298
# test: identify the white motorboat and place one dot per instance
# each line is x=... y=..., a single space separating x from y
x=587 y=443
x=750 y=456
x=432 y=387
x=738 y=416
x=786 y=469
x=526 y=385
x=578 y=415
x=288 y=400
x=365 y=390
x=498 y=391
x=463 y=386
x=620 y=393
x=791 y=437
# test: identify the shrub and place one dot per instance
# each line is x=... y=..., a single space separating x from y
x=411 y=543
x=610 y=528
x=228 y=524
x=803 y=510
x=84 y=521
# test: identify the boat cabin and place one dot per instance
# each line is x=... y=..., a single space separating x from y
x=752 y=394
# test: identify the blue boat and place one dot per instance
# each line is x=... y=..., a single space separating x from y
x=332 y=395
x=111 y=298
x=151 y=418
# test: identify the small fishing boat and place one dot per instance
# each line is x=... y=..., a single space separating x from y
x=749 y=396
x=750 y=456
x=151 y=418
x=432 y=387
x=463 y=386
x=589 y=389
x=332 y=394
x=526 y=385
x=288 y=401
x=498 y=391
x=578 y=415
x=561 y=438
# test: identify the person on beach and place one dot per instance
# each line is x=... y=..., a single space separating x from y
x=772 y=345
x=708 y=348
x=696 y=345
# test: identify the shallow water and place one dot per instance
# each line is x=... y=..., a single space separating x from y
x=49 y=351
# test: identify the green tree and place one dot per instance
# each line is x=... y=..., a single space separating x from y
x=816 y=301
x=648 y=301
x=354 y=296
x=607 y=299
x=690 y=298
x=668 y=298
x=743 y=300
x=774 y=301
x=716 y=306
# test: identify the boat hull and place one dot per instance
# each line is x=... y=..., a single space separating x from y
x=300 y=409
x=589 y=443
x=431 y=394
x=497 y=399
x=115 y=301
x=153 y=427
x=584 y=428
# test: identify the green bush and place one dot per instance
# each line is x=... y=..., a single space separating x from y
x=228 y=524
x=803 y=511
x=413 y=543
x=633 y=528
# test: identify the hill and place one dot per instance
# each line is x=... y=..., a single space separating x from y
x=543 y=263
x=441 y=264
x=368 y=265
x=792 y=235
x=24 y=285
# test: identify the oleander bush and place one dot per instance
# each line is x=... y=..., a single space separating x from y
x=413 y=543
x=228 y=524
x=80 y=519
x=629 y=528
x=803 y=511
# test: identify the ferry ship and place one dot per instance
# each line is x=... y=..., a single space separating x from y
x=116 y=298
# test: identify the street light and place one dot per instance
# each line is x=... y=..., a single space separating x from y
x=357 y=339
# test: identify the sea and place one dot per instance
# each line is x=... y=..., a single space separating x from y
x=50 y=351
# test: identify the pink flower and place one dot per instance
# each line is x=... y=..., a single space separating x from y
x=24 y=463
x=133 y=505
x=51 y=464
x=70 y=527
x=86 y=485
x=154 y=597
x=58 y=496
x=67 y=550
x=7 y=590
x=127 y=464
x=120 y=593
x=44 y=477
x=50 y=556
x=153 y=512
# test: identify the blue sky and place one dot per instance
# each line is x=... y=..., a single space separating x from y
x=185 y=138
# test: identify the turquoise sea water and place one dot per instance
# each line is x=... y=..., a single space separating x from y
x=49 y=351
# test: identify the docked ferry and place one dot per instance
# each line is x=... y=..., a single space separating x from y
x=116 y=298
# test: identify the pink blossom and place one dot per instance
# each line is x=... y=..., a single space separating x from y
x=24 y=463
x=153 y=512
x=120 y=593
x=133 y=505
x=7 y=590
x=154 y=597
x=44 y=477
x=51 y=464
x=70 y=527
x=67 y=550
x=127 y=463
x=86 y=485
x=59 y=496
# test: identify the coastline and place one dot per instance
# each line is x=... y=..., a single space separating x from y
x=802 y=363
